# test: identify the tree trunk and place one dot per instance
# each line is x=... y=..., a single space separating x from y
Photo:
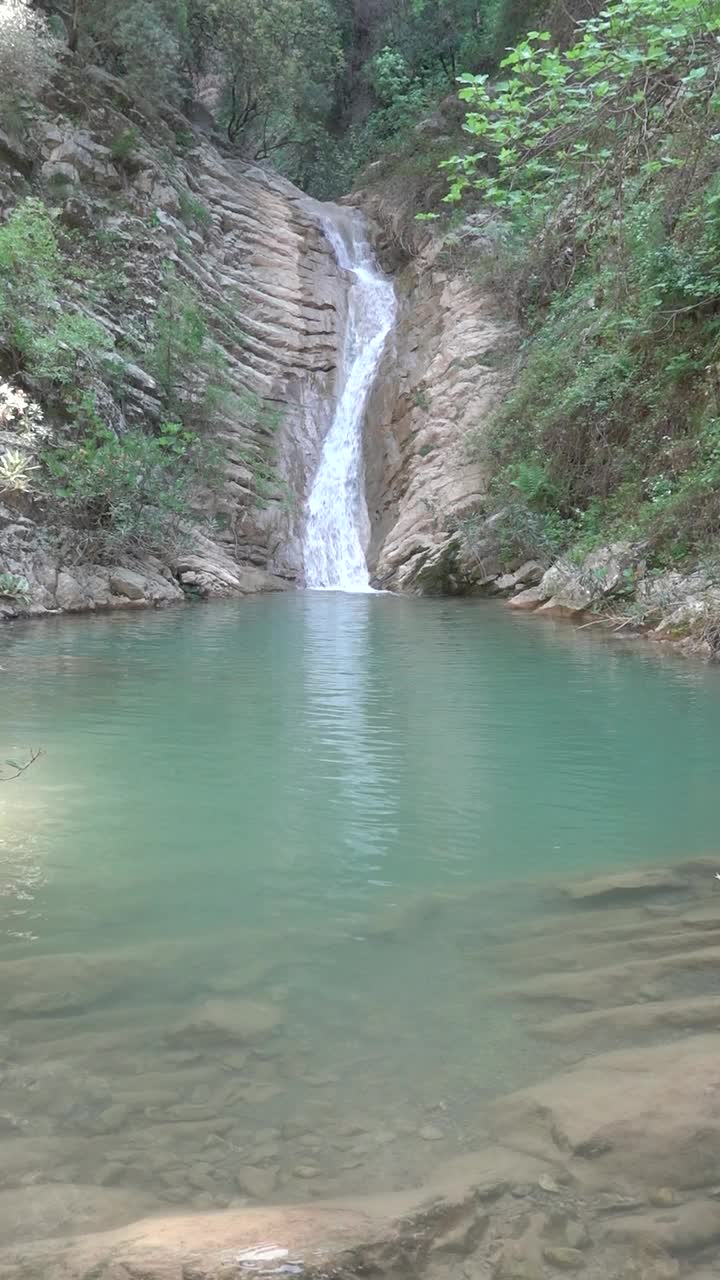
x=74 y=37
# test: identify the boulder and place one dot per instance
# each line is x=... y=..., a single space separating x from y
x=528 y=599
x=529 y=574
x=505 y=582
x=71 y=593
x=570 y=588
x=126 y=583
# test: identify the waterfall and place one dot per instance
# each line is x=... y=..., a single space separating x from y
x=337 y=526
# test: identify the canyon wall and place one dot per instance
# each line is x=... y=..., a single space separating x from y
x=274 y=296
x=444 y=369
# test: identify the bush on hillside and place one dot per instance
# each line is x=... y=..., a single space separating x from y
x=602 y=162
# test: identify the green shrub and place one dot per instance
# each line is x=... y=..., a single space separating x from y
x=189 y=367
x=130 y=494
x=30 y=261
x=193 y=212
x=74 y=342
x=124 y=145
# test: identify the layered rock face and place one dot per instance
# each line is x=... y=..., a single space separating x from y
x=437 y=386
x=248 y=244
x=444 y=370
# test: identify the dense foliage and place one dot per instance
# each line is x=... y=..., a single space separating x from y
x=602 y=161
x=324 y=86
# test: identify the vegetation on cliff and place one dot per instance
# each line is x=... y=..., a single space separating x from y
x=602 y=161
x=120 y=491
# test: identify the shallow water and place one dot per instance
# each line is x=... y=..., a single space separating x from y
x=341 y=807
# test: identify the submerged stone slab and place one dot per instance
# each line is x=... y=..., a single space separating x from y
x=630 y=884
x=650 y=1116
x=700 y=1012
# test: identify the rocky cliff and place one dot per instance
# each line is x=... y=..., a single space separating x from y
x=438 y=383
x=274 y=297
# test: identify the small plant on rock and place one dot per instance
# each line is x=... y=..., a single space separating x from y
x=14 y=587
x=124 y=145
x=22 y=419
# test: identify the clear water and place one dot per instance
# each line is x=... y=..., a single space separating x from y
x=338 y=806
x=337 y=525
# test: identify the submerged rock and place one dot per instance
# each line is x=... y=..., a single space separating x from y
x=226 y=1021
x=35 y=1212
x=564 y=1257
x=651 y=1115
x=256 y=1182
x=629 y=884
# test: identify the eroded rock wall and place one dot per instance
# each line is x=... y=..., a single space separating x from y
x=442 y=374
x=275 y=299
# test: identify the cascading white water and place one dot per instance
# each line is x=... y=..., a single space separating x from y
x=337 y=526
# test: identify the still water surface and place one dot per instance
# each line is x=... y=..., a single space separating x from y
x=335 y=806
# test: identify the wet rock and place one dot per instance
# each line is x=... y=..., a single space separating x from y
x=256 y=1182
x=306 y=1171
x=219 y=1021
x=564 y=1257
